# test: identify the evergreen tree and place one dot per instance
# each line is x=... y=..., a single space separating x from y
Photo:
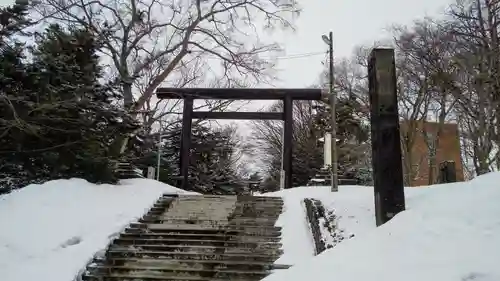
x=211 y=169
x=352 y=136
x=13 y=21
x=269 y=184
x=63 y=117
x=13 y=76
x=83 y=115
x=311 y=122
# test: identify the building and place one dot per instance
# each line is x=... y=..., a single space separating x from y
x=448 y=149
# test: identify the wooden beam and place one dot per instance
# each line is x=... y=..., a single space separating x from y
x=239 y=93
x=238 y=115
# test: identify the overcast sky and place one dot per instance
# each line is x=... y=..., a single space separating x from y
x=353 y=22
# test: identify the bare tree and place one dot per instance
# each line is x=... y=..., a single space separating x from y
x=178 y=42
x=427 y=80
x=309 y=127
x=268 y=134
x=413 y=99
x=474 y=25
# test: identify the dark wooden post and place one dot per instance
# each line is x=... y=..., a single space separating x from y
x=386 y=146
x=287 y=140
x=185 y=155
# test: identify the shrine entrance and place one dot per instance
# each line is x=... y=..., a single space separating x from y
x=286 y=95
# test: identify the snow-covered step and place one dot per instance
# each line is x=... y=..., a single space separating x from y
x=173 y=263
x=194 y=237
x=226 y=206
x=200 y=248
x=222 y=236
x=191 y=217
x=238 y=220
x=192 y=255
x=207 y=226
x=145 y=276
x=220 y=242
x=253 y=231
x=240 y=198
x=204 y=225
x=172 y=272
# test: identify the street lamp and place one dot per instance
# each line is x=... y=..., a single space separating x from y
x=333 y=101
x=326 y=39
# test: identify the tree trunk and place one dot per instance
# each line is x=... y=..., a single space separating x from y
x=128 y=97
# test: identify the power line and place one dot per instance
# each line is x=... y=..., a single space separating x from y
x=298 y=56
x=289 y=57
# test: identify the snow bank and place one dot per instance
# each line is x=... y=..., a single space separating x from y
x=448 y=233
x=353 y=207
x=50 y=231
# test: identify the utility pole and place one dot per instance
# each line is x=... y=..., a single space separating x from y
x=333 y=102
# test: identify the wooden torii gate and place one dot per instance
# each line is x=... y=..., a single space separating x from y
x=286 y=95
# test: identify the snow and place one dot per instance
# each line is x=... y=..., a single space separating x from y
x=448 y=233
x=353 y=205
x=50 y=231
x=296 y=238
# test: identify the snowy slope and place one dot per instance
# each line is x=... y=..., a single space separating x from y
x=50 y=231
x=448 y=233
x=352 y=204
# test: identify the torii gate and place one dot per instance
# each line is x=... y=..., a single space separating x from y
x=286 y=95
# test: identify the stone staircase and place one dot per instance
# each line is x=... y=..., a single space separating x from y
x=324 y=178
x=196 y=238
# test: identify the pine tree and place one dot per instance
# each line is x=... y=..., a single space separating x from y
x=13 y=76
x=63 y=117
x=307 y=154
x=351 y=135
x=211 y=167
x=82 y=116
x=13 y=21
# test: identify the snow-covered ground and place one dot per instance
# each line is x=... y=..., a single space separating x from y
x=448 y=233
x=50 y=231
x=353 y=205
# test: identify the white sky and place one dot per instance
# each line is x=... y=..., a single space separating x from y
x=353 y=22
